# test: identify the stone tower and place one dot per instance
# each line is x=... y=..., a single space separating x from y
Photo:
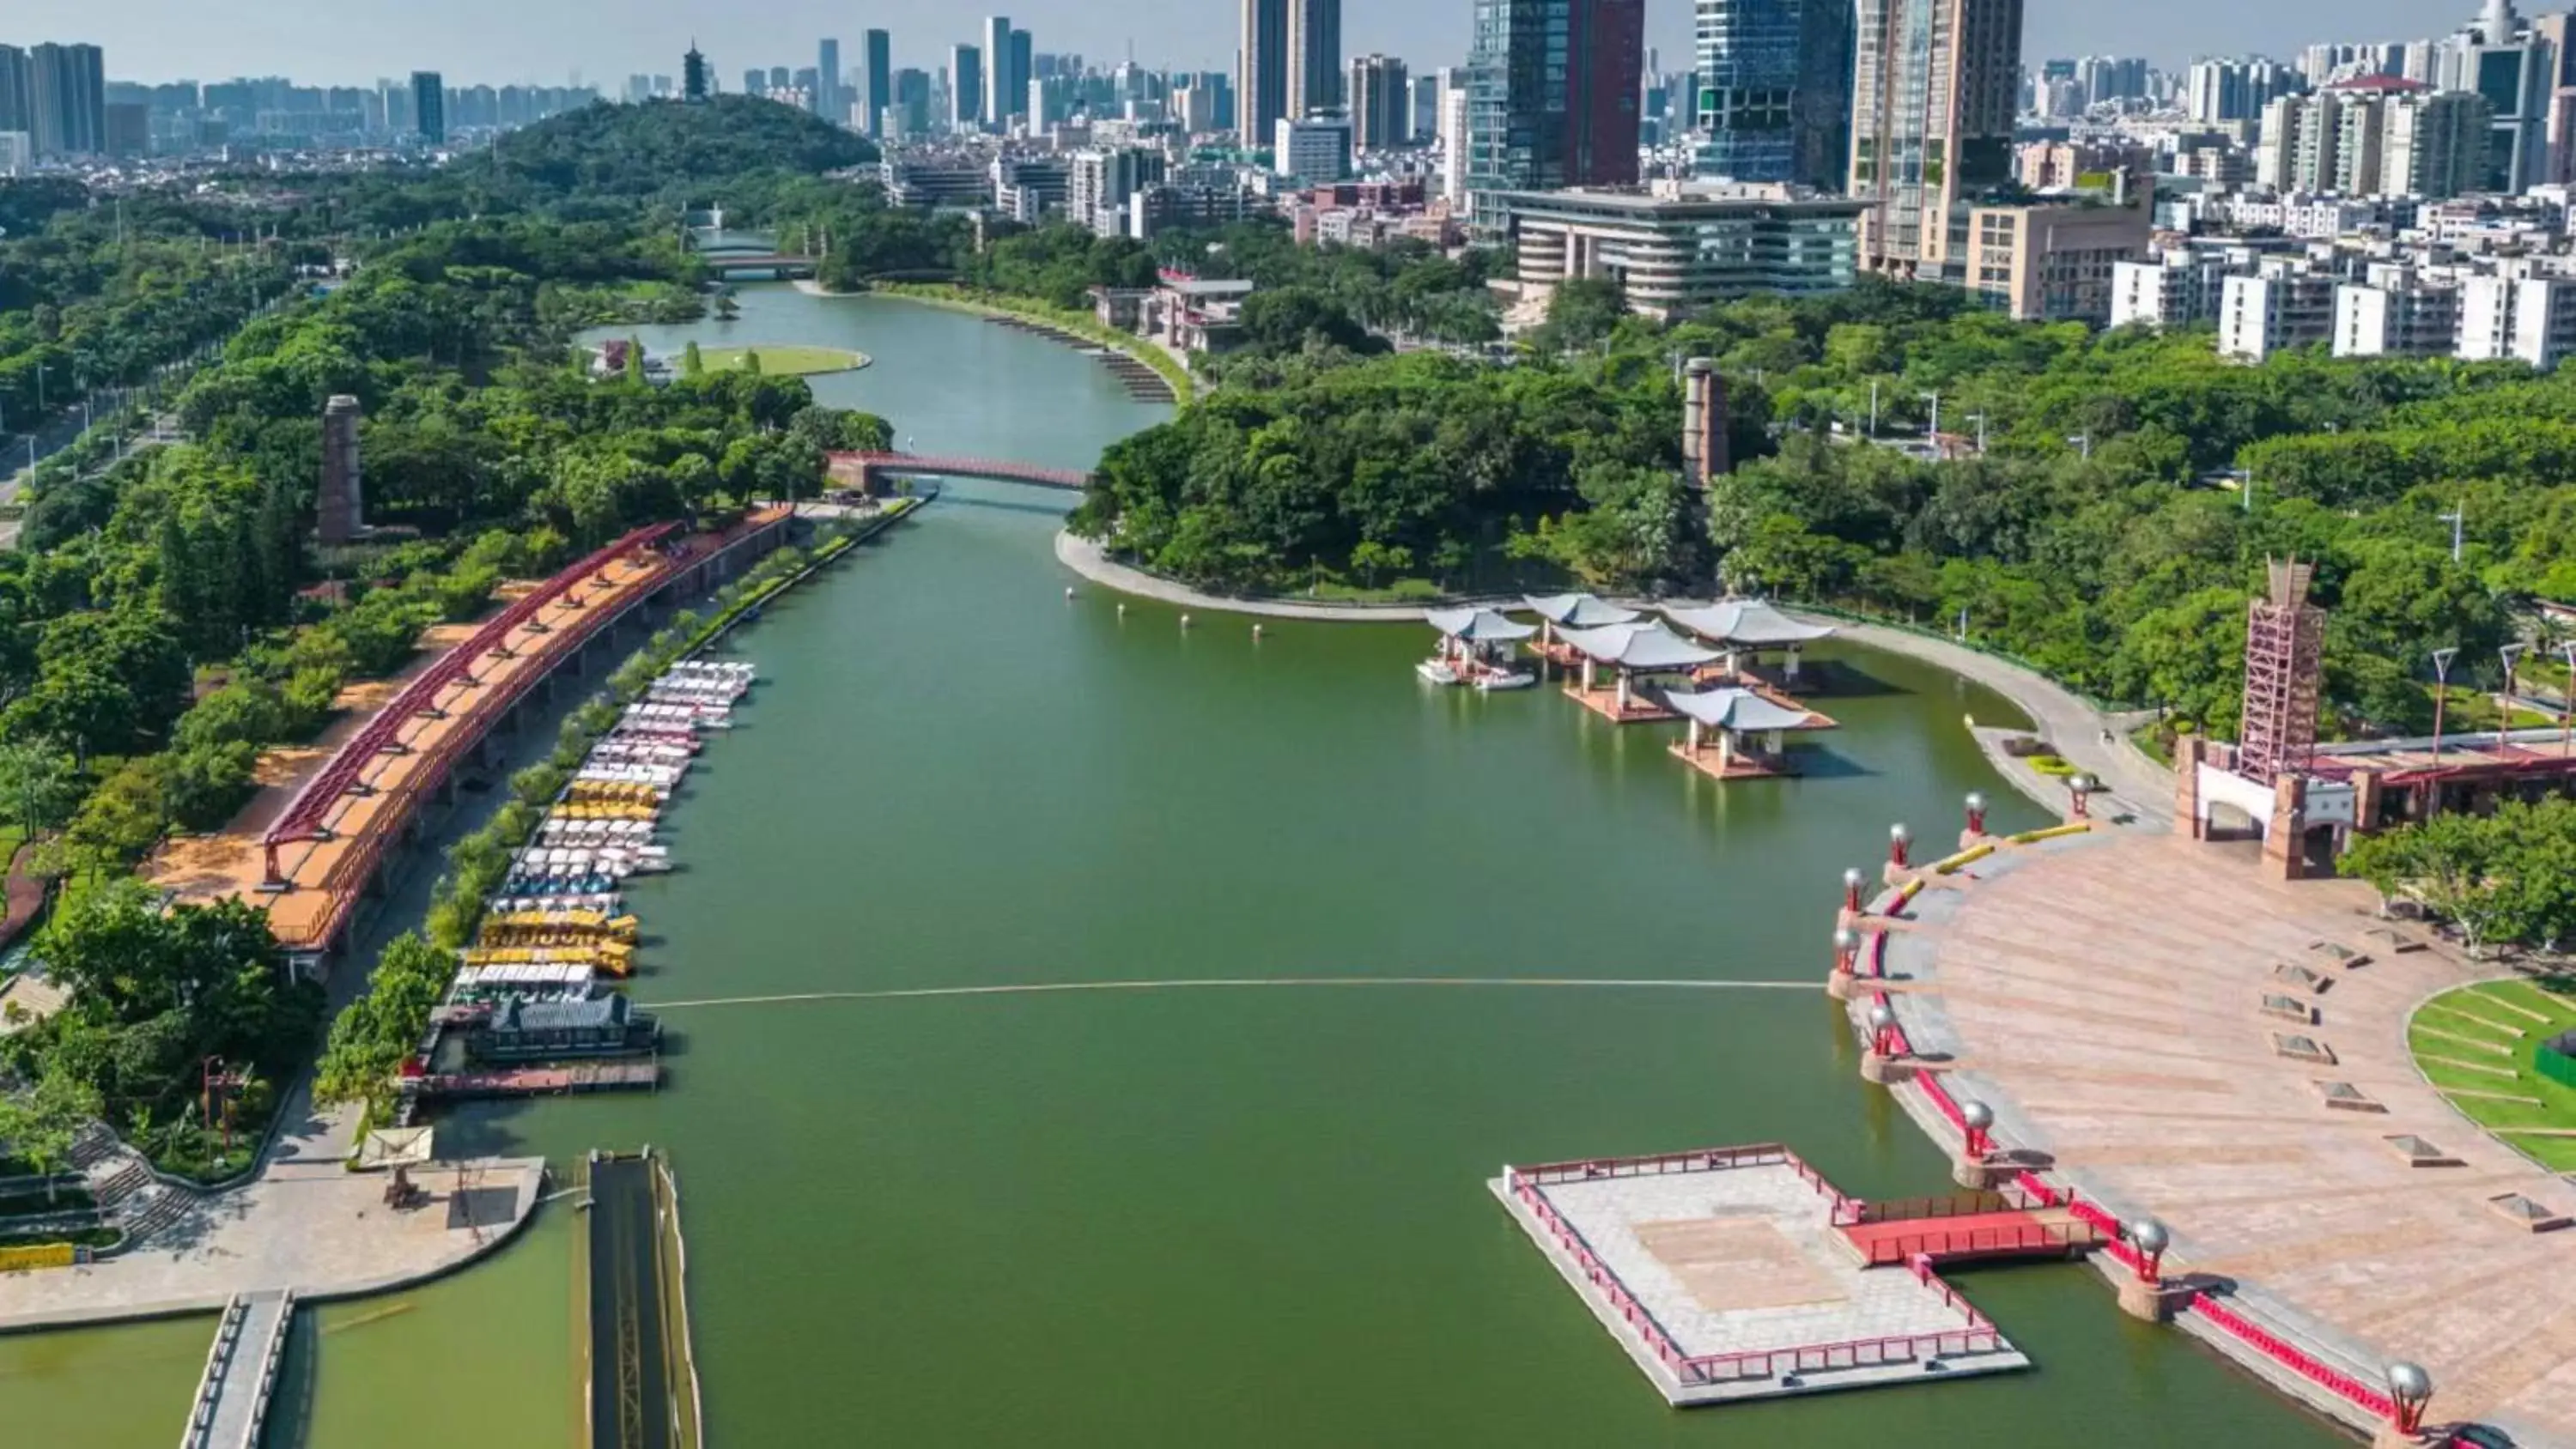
x=341 y=511
x=1703 y=421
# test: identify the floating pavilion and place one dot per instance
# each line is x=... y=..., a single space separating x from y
x=1749 y=627
x=1475 y=646
x=1739 y=734
x=1572 y=611
x=1644 y=656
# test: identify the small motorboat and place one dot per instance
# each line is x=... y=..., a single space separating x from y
x=1437 y=671
x=1493 y=679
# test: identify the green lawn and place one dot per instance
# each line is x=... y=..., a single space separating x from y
x=2480 y=1039
x=785 y=361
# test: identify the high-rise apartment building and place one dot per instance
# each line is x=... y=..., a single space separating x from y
x=755 y=81
x=2377 y=135
x=965 y=86
x=1932 y=126
x=429 y=107
x=827 y=100
x=2516 y=68
x=1774 y=89
x=2216 y=91
x=1314 y=56
x=2435 y=144
x=17 y=91
x=67 y=100
x=876 y=77
x=1552 y=97
x=1381 y=103
x=1261 y=70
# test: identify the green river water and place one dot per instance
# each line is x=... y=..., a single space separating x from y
x=1186 y=1215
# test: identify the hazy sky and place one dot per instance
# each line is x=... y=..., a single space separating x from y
x=497 y=41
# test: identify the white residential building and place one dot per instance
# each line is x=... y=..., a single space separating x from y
x=2281 y=307
x=2532 y=319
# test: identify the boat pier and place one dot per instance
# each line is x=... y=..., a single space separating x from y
x=231 y=1407
x=643 y=1377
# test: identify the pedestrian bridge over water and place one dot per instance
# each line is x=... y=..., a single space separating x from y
x=864 y=471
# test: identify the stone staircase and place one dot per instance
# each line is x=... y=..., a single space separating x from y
x=129 y=1197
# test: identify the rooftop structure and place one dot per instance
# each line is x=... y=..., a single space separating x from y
x=1738 y=732
x=1642 y=656
x=1676 y=247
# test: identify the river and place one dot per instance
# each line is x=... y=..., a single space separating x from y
x=1187 y=1214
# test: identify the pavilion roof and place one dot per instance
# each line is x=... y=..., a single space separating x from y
x=1647 y=645
x=1477 y=626
x=1747 y=623
x=1579 y=611
x=1734 y=708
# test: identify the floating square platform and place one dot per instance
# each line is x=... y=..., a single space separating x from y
x=1724 y=1276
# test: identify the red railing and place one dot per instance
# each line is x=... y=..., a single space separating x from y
x=2294 y=1358
x=306 y=814
x=1957 y=1242
x=1878 y=954
x=1979 y=1335
x=1930 y=1085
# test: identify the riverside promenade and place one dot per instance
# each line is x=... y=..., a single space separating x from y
x=2155 y=1024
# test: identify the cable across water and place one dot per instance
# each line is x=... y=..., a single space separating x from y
x=1211 y=983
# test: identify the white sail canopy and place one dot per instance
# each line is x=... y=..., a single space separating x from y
x=1477 y=626
x=1579 y=611
x=1741 y=710
x=1638 y=646
x=1747 y=624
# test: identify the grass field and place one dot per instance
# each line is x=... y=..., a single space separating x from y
x=2475 y=1044
x=785 y=361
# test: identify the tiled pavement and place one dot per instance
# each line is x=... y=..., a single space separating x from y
x=2106 y=999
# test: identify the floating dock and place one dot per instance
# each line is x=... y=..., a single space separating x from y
x=1739 y=1273
x=542 y=1081
x=643 y=1375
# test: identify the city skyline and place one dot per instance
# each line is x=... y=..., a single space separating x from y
x=165 y=40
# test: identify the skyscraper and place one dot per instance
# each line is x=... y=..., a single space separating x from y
x=1381 y=106
x=1932 y=126
x=965 y=86
x=1314 y=56
x=998 y=101
x=694 y=80
x=879 y=81
x=17 y=83
x=1261 y=70
x=1775 y=90
x=67 y=100
x=781 y=78
x=755 y=81
x=1552 y=97
x=1021 y=74
x=827 y=83
x=429 y=107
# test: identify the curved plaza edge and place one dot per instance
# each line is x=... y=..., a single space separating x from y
x=2105 y=995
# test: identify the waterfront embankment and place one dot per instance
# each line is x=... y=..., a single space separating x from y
x=1172 y=368
x=2080 y=732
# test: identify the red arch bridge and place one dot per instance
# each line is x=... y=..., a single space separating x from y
x=863 y=470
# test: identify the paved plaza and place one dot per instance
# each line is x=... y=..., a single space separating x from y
x=307 y=1223
x=2188 y=1039
x=1743 y=1260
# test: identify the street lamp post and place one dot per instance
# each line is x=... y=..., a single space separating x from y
x=1980 y=420
x=2441 y=695
x=1873 y=408
x=2458 y=518
x=1933 y=433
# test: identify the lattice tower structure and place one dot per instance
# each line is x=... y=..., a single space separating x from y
x=2284 y=666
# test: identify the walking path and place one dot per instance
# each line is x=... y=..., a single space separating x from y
x=2073 y=727
x=241 y=1372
